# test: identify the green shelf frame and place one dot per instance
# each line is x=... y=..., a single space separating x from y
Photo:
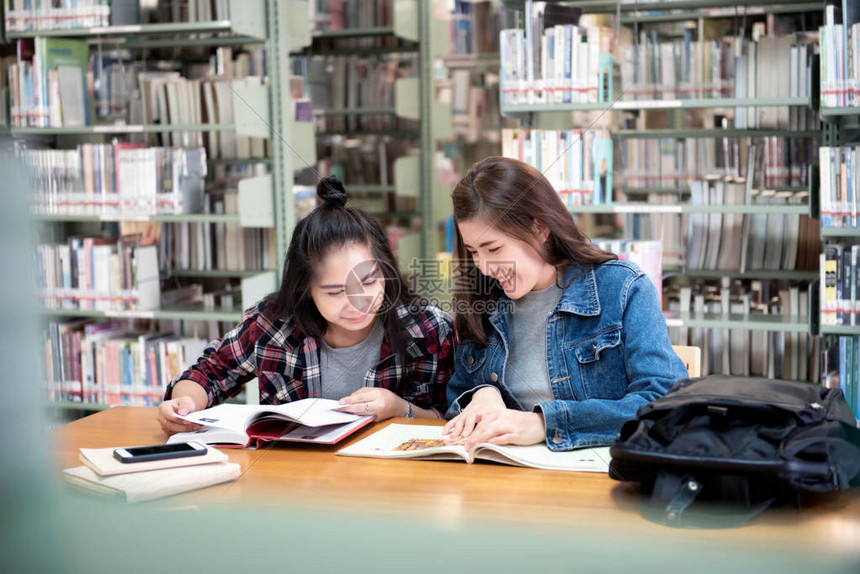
x=765 y=274
x=752 y=322
x=369 y=188
x=672 y=104
x=839 y=330
x=702 y=133
x=702 y=15
x=836 y=232
x=372 y=32
x=354 y=111
x=601 y=7
x=215 y=273
x=186 y=218
x=73 y=406
x=833 y=112
x=399 y=134
x=185 y=313
x=647 y=208
x=482 y=60
x=131 y=30
x=211 y=162
x=128 y=129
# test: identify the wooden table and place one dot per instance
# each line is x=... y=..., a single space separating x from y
x=453 y=495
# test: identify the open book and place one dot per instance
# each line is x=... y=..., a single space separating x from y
x=426 y=443
x=307 y=420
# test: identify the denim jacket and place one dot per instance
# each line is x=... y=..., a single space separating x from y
x=608 y=353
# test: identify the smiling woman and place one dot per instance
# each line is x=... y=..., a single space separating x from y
x=559 y=341
x=343 y=325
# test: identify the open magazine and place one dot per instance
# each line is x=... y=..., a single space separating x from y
x=307 y=420
x=426 y=443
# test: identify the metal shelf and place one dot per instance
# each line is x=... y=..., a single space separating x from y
x=214 y=273
x=686 y=208
x=373 y=32
x=186 y=218
x=73 y=406
x=127 y=129
x=486 y=60
x=701 y=133
x=752 y=322
x=133 y=30
x=185 y=313
x=839 y=330
x=840 y=232
x=401 y=134
x=765 y=274
x=369 y=188
x=847 y=111
x=354 y=111
x=601 y=7
x=638 y=105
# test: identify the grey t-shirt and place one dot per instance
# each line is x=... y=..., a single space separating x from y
x=342 y=370
x=526 y=373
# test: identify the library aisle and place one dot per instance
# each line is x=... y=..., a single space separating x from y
x=172 y=147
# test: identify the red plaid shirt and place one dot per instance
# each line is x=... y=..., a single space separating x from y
x=286 y=362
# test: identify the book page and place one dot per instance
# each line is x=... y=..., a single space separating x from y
x=594 y=459
x=309 y=412
x=211 y=436
x=406 y=441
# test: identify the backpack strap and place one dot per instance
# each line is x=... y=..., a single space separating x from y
x=673 y=494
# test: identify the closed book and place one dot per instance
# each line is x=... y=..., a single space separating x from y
x=151 y=484
x=102 y=461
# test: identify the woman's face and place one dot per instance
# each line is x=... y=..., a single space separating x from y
x=515 y=264
x=348 y=288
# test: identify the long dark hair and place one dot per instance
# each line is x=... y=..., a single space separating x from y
x=513 y=196
x=331 y=225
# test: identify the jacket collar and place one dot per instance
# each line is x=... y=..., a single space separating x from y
x=580 y=291
x=579 y=294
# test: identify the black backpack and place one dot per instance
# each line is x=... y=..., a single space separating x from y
x=717 y=450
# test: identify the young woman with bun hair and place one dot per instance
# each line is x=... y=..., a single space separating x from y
x=343 y=325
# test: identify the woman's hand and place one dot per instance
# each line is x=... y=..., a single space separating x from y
x=168 y=411
x=378 y=403
x=508 y=427
x=486 y=403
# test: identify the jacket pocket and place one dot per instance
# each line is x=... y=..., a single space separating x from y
x=472 y=359
x=600 y=361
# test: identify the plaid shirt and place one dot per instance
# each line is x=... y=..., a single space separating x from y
x=286 y=362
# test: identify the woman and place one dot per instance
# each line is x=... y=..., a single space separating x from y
x=344 y=325
x=560 y=342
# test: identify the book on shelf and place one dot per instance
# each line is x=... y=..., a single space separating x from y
x=52 y=83
x=419 y=442
x=151 y=484
x=839 y=186
x=308 y=420
x=840 y=58
x=111 y=363
x=33 y=15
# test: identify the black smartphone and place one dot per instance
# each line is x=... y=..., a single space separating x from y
x=159 y=451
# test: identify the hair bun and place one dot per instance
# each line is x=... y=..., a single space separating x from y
x=331 y=191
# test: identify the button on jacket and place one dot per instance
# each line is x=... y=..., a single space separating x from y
x=608 y=353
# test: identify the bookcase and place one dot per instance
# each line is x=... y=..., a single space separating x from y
x=837 y=179
x=668 y=92
x=371 y=76
x=251 y=210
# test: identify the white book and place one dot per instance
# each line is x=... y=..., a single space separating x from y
x=424 y=442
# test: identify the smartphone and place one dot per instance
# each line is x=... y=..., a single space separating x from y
x=159 y=451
